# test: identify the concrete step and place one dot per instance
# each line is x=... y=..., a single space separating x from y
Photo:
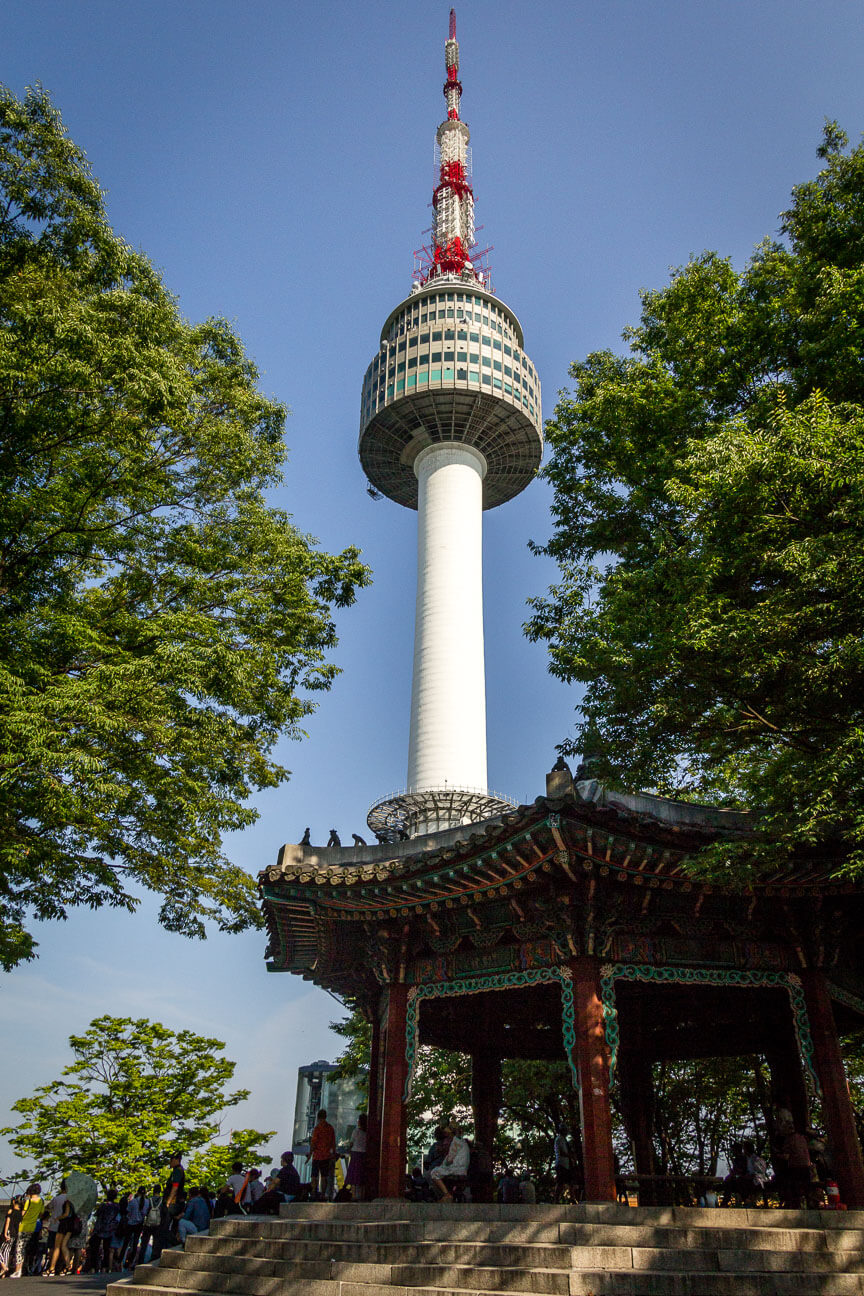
x=205 y=1252
x=257 y=1276
x=607 y=1283
x=808 y=1253
x=415 y=1249
x=376 y=1236
x=750 y=1239
x=585 y=1212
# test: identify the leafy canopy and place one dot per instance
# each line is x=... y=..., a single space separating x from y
x=708 y=525
x=161 y=625
x=134 y=1093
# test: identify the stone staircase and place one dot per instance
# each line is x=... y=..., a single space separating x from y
x=391 y=1248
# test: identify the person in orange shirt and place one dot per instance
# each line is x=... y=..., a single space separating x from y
x=322 y=1149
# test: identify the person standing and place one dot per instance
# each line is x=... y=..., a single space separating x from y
x=11 y=1221
x=105 y=1221
x=60 y=1255
x=174 y=1188
x=151 y=1226
x=27 y=1226
x=796 y=1174
x=136 y=1208
x=563 y=1165
x=55 y=1208
x=322 y=1149
x=356 y=1178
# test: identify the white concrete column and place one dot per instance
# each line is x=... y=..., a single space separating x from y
x=448 y=697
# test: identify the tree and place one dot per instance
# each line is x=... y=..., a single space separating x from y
x=702 y=1107
x=212 y=1166
x=161 y=624
x=134 y=1093
x=708 y=523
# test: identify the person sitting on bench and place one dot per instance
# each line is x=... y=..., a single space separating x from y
x=454 y=1166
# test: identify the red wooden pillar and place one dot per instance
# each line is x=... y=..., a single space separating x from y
x=486 y=1104
x=836 y=1104
x=636 y=1090
x=788 y=1088
x=592 y=1062
x=373 y=1107
x=486 y=1096
x=391 y=1173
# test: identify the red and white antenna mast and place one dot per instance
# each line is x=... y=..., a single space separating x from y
x=453 y=249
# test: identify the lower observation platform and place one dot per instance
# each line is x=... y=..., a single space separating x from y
x=503 y=434
x=411 y=814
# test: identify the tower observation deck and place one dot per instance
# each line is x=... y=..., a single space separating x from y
x=450 y=425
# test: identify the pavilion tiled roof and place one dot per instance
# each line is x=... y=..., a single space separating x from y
x=312 y=893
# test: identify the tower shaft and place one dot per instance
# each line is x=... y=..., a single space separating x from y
x=448 y=700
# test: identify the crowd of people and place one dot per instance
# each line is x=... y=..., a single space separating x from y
x=55 y=1237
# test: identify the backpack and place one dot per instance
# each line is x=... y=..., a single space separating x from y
x=153 y=1218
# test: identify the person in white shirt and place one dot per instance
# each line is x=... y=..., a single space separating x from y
x=238 y=1182
x=454 y=1166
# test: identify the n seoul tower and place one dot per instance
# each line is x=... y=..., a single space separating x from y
x=450 y=425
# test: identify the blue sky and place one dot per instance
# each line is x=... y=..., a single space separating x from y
x=275 y=160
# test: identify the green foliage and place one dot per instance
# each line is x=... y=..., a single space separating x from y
x=702 y=1107
x=709 y=518
x=134 y=1093
x=161 y=625
x=212 y=1166
x=354 y=1058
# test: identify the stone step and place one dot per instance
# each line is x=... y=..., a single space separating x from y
x=637 y=1270
x=598 y=1283
x=809 y=1253
x=750 y=1239
x=585 y=1212
x=205 y=1252
x=609 y=1283
x=376 y=1235
x=261 y=1277
x=415 y=1249
x=395 y=1280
